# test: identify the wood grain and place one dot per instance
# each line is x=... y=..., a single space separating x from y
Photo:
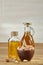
x=36 y=60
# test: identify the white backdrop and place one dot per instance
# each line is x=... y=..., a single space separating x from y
x=14 y=12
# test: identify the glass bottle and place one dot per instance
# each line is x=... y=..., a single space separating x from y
x=26 y=51
x=13 y=43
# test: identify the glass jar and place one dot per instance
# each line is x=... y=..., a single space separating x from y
x=13 y=43
x=26 y=51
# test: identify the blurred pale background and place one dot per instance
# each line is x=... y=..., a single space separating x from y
x=14 y=12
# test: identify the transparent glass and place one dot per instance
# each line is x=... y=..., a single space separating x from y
x=26 y=51
x=13 y=43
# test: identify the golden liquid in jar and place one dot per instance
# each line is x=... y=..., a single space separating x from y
x=12 y=49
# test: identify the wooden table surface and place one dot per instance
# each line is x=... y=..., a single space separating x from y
x=36 y=60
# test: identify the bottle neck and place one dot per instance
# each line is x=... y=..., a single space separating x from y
x=27 y=29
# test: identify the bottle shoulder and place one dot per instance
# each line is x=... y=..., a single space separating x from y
x=13 y=39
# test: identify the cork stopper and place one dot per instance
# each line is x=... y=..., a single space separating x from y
x=27 y=24
x=14 y=33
